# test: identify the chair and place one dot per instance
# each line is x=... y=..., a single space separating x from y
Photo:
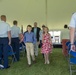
x=72 y=61
x=22 y=48
x=11 y=53
x=71 y=58
x=69 y=45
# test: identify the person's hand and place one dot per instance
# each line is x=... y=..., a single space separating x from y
x=73 y=47
x=20 y=41
x=9 y=43
x=52 y=46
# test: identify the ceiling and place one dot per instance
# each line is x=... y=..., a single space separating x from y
x=29 y=11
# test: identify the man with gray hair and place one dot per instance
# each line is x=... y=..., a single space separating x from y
x=36 y=31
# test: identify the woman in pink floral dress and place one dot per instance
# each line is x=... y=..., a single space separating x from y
x=46 y=45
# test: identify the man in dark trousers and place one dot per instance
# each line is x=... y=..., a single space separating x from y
x=36 y=31
x=5 y=40
x=15 y=34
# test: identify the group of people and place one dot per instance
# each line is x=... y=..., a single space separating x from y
x=31 y=42
x=31 y=38
x=9 y=36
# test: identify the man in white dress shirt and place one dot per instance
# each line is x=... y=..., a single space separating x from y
x=72 y=27
x=5 y=40
x=15 y=34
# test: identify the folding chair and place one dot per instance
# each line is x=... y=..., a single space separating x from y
x=72 y=61
x=22 y=48
x=11 y=53
x=71 y=58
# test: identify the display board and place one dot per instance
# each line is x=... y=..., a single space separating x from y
x=56 y=37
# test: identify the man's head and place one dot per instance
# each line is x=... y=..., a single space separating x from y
x=35 y=24
x=3 y=18
x=15 y=22
x=65 y=26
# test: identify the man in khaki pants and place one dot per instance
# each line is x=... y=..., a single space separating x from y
x=29 y=40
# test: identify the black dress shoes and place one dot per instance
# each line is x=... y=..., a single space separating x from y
x=7 y=67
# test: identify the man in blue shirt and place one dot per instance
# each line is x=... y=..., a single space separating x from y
x=29 y=40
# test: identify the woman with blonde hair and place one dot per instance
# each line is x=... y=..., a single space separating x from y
x=46 y=45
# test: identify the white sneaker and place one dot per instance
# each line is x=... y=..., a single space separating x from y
x=48 y=62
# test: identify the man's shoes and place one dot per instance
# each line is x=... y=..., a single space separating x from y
x=29 y=65
x=48 y=62
x=7 y=67
x=34 y=61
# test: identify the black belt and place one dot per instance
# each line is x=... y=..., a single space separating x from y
x=3 y=37
x=28 y=42
x=15 y=38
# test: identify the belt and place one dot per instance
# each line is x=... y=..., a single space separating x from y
x=28 y=42
x=3 y=37
x=15 y=38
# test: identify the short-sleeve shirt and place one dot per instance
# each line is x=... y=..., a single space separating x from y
x=65 y=34
x=73 y=21
x=4 y=28
x=15 y=31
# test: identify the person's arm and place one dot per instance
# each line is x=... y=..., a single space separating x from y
x=72 y=27
x=50 y=39
x=34 y=39
x=9 y=34
x=72 y=31
x=39 y=35
x=21 y=37
x=42 y=38
x=9 y=37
